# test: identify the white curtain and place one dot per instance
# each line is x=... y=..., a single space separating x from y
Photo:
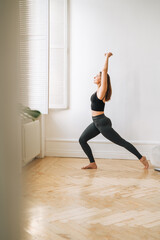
x=58 y=82
x=34 y=25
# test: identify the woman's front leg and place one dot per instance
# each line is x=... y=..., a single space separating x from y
x=90 y=132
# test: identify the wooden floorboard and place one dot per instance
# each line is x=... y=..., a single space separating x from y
x=118 y=200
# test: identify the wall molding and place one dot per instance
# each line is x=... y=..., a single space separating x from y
x=100 y=148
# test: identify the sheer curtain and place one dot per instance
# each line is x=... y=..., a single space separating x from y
x=58 y=82
x=34 y=54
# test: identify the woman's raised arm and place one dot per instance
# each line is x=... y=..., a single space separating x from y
x=103 y=87
x=107 y=55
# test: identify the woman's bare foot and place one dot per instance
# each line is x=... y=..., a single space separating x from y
x=144 y=162
x=92 y=165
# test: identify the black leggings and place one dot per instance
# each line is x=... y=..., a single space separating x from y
x=103 y=124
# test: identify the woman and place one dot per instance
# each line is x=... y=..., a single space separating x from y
x=101 y=123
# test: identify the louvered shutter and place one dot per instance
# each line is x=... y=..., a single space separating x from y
x=34 y=54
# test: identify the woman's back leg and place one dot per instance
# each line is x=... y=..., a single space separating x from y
x=108 y=132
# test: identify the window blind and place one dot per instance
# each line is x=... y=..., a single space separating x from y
x=34 y=56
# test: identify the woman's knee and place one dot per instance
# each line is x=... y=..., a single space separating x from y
x=123 y=142
x=82 y=140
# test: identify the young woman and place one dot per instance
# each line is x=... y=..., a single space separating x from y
x=101 y=123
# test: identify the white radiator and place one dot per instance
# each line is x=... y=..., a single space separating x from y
x=30 y=141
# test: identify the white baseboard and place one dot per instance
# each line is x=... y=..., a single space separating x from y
x=100 y=149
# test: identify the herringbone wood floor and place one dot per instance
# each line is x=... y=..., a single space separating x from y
x=118 y=200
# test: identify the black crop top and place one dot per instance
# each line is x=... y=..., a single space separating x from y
x=96 y=103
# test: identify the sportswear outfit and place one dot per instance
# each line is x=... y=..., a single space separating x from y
x=102 y=124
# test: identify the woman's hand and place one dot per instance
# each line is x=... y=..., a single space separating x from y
x=109 y=54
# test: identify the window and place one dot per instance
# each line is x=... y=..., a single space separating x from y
x=43 y=54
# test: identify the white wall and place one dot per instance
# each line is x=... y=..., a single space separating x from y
x=131 y=30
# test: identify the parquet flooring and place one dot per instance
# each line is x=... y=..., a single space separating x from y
x=118 y=200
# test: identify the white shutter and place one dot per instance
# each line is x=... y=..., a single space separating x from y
x=34 y=15
x=58 y=54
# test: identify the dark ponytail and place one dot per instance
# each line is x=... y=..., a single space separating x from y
x=109 y=89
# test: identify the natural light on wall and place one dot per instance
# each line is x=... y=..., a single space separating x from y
x=34 y=54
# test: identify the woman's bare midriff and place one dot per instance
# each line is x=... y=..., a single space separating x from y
x=96 y=113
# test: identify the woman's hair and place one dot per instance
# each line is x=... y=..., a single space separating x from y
x=109 y=88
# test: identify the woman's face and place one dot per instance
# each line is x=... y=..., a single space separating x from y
x=97 y=78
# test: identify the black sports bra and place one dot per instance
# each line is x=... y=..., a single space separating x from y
x=96 y=103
